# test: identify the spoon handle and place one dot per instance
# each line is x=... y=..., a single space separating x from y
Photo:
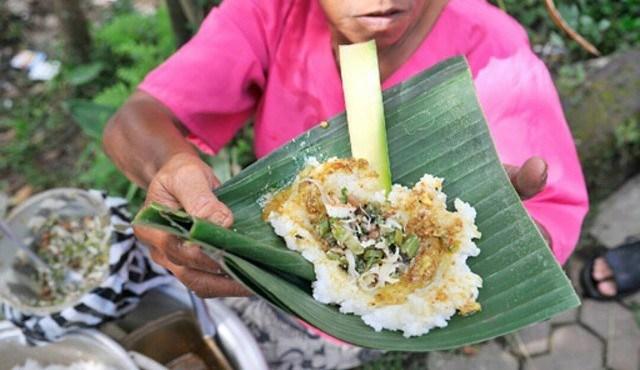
x=6 y=230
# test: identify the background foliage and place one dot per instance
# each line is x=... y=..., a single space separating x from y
x=40 y=143
x=609 y=25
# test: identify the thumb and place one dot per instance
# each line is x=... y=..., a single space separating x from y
x=530 y=179
x=194 y=192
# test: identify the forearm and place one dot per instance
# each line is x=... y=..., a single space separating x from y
x=142 y=136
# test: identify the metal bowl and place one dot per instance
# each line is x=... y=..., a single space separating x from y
x=15 y=286
x=85 y=345
x=157 y=335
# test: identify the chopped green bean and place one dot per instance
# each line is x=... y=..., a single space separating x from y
x=371 y=256
x=344 y=196
x=410 y=246
x=323 y=228
x=344 y=237
x=398 y=237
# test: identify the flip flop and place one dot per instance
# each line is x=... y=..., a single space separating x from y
x=624 y=261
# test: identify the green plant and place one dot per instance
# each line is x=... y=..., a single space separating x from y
x=609 y=24
x=389 y=361
x=231 y=159
x=132 y=44
x=35 y=139
x=627 y=136
x=127 y=47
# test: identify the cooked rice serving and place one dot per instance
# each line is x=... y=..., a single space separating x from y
x=397 y=260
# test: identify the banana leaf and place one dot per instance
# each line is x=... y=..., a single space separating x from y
x=434 y=125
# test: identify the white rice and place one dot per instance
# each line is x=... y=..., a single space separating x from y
x=424 y=308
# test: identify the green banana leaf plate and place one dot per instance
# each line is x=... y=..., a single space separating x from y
x=434 y=125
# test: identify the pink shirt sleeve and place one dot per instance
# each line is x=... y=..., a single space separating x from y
x=212 y=84
x=523 y=109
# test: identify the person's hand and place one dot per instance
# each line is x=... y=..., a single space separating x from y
x=529 y=180
x=185 y=181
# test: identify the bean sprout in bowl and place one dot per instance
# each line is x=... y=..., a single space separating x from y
x=70 y=230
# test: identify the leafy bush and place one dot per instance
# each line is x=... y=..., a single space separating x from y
x=132 y=44
x=35 y=139
x=126 y=48
x=129 y=44
x=609 y=25
x=627 y=136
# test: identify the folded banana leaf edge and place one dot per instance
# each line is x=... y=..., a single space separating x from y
x=434 y=125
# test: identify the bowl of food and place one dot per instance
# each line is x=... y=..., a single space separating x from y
x=67 y=229
x=85 y=349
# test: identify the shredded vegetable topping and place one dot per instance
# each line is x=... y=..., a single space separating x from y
x=64 y=243
x=397 y=258
x=367 y=239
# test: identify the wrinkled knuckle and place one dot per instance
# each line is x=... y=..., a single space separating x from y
x=222 y=216
x=200 y=287
x=193 y=254
x=201 y=206
x=160 y=181
x=187 y=172
x=201 y=292
x=160 y=191
x=229 y=219
x=159 y=258
x=174 y=257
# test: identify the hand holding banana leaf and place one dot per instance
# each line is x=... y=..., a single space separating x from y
x=435 y=146
x=522 y=282
x=195 y=268
x=185 y=182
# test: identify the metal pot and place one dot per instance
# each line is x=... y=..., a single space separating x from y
x=174 y=334
x=85 y=345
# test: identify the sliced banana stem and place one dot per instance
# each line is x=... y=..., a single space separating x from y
x=365 y=111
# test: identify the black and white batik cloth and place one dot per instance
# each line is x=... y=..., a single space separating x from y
x=131 y=274
x=288 y=345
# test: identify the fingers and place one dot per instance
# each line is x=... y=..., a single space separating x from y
x=204 y=284
x=187 y=182
x=544 y=232
x=529 y=179
x=192 y=186
x=208 y=285
x=156 y=240
x=174 y=250
x=190 y=255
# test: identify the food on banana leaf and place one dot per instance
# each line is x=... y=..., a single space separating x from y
x=398 y=260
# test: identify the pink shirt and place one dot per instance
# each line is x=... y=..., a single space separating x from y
x=272 y=59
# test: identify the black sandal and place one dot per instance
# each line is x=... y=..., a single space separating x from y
x=624 y=261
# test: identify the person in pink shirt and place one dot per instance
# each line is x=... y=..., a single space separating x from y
x=275 y=61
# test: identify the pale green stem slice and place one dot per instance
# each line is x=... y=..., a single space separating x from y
x=365 y=112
